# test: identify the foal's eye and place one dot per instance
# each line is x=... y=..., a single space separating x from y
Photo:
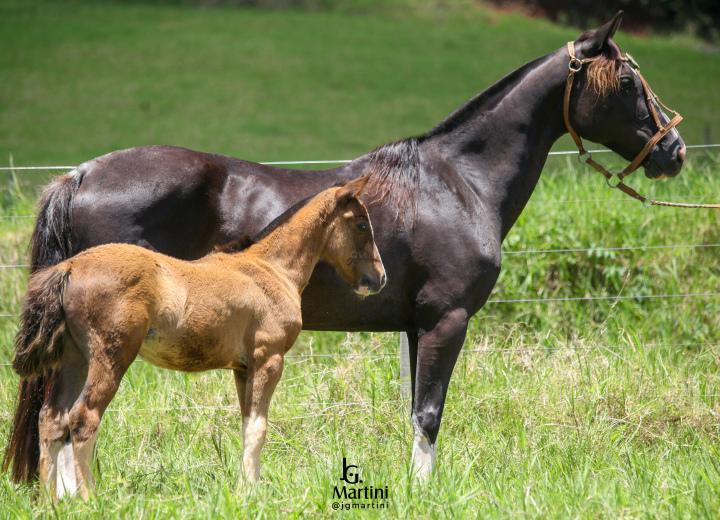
x=626 y=83
x=362 y=227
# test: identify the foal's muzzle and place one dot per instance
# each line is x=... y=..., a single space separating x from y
x=370 y=284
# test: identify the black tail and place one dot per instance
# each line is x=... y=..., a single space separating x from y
x=51 y=243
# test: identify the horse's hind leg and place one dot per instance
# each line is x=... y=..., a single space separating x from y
x=262 y=378
x=57 y=467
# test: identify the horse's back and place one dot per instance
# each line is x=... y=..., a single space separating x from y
x=181 y=202
x=161 y=197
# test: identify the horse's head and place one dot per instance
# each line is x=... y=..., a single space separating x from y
x=611 y=104
x=350 y=245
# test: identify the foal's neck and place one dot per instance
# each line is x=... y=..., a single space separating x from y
x=296 y=246
x=500 y=139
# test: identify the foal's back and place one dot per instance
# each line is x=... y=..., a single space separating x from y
x=190 y=316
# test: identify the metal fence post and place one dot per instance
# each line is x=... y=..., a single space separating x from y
x=405 y=370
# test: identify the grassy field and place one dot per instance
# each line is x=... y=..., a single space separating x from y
x=565 y=409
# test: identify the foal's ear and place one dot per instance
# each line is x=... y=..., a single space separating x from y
x=352 y=189
x=598 y=39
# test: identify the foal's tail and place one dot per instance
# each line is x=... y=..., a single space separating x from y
x=38 y=348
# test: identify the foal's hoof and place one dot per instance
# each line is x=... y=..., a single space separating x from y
x=247 y=482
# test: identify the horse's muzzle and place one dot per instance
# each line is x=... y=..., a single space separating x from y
x=658 y=166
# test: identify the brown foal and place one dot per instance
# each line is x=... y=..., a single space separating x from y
x=92 y=315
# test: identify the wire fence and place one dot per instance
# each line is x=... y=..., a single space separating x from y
x=569 y=299
x=581 y=201
x=370 y=404
x=381 y=355
x=334 y=161
x=526 y=252
x=299 y=358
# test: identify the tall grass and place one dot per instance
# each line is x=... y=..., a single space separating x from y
x=539 y=422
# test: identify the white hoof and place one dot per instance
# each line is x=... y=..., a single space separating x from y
x=423 y=457
x=66 y=481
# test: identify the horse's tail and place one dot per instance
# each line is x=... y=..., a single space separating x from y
x=51 y=243
x=51 y=240
x=38 y=348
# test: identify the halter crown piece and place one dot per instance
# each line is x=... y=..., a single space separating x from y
x=585 y=157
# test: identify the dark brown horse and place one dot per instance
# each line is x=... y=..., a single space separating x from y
x=455 y=192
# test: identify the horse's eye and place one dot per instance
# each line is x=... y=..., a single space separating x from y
x=362 y=227
x=626 y=83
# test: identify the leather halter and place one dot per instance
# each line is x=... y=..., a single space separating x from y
x=576 y=66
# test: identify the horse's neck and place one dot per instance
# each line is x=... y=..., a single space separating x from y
x=296 y=246
x=500 y=139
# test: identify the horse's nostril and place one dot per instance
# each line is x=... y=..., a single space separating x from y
x=681 y=153
x=383 y=279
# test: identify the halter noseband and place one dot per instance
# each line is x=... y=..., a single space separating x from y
x=576 y=66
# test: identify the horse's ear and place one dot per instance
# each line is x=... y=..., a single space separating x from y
x=352 y=189
x=597 y=40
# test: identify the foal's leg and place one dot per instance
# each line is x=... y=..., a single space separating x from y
x=57 y=466
x=263 y=376
x=103 y=380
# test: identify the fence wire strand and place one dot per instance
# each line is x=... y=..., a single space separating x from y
x=531 y=251
x=299 y=358
x=334 y=161
x=550 y=300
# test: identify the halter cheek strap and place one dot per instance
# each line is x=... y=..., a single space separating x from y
x=585 y=157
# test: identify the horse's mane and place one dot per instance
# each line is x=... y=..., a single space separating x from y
x=395 y=174
x=245 y=241
x=394 y=168
x=602 y=73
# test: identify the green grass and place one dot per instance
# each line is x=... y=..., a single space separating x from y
x=539 y=422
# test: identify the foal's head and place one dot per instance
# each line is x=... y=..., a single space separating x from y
x=610 y=106
x=350 y=245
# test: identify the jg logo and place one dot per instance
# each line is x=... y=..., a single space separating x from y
x=367 y=497
x=349 y=476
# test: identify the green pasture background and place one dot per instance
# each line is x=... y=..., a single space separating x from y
x=593 y=409
x=80 y=79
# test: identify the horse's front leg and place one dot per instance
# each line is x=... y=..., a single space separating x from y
x=438 y=346
x=255 y=392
